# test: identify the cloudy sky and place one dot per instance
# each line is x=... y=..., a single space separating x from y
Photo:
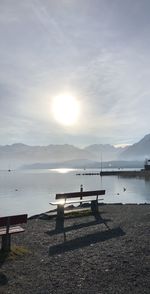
x=97 y=51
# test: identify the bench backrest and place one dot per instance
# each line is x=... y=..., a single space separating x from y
x=80 y=194
x=13 y=220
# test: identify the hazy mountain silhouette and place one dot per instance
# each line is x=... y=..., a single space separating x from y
x=103 y=152
x=12 y=156
x=137 y=151
x=16 y=155
x=86 y=164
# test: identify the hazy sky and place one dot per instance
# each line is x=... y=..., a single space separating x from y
x=95 y=50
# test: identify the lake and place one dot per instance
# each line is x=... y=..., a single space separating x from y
x=30 y=191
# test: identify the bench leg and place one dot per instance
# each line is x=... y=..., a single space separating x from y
x=60 y=217
x=60 y=211
x=6 y=242
x=94 y=207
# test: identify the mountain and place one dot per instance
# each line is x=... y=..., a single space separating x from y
x=82 y=163
x=103 y=152
x=137 y=151
x=13 y=156
x=17 y=155
x=85 y=164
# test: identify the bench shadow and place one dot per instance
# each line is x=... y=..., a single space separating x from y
x=3 y=277
x=63 y=229
x=85 y=241
x=3 y=256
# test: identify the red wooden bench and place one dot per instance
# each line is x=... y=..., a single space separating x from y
x=10 y=225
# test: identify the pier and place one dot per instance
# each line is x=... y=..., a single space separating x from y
x=124 y=173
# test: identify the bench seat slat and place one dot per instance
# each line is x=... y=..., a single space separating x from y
x=12 y=230
x=71 y=201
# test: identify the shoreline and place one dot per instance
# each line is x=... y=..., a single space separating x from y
x=71 y=208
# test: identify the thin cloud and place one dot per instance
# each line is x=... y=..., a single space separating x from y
x=97 y=50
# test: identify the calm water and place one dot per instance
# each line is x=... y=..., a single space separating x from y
x=31 y=191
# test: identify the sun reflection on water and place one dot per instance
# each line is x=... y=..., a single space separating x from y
x=63 y=170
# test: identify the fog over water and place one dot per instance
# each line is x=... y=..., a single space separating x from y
x=31 y=191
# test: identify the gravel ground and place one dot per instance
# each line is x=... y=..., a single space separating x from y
x=109 y=255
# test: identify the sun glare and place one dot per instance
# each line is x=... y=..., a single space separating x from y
x=65 y=109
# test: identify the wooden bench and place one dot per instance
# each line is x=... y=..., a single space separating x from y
x=62 y=200
x=9 y=225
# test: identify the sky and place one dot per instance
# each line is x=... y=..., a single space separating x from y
x=97 y=51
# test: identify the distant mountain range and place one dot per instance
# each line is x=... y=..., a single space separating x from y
x=140 y=150
x=52 y=156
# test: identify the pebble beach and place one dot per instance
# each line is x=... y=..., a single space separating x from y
x=106 y=255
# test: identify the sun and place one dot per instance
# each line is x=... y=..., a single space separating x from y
x=65 y=109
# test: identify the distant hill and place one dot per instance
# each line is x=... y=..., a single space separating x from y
x=17 y=155
x=82 y=163
x=103 y=152
x=12 y=156
x=137 y=151
x=85 y=164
